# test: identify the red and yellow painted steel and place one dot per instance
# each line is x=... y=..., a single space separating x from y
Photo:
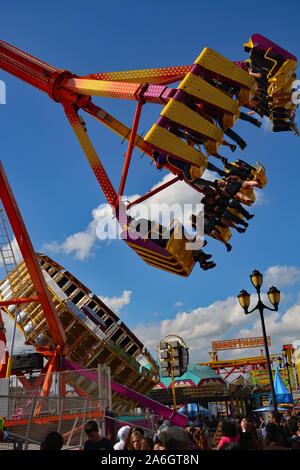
x=162 y=75
x=28 y=253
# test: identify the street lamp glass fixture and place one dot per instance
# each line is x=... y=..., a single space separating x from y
x=244 y=299
x=256 y=279
x=274 y=296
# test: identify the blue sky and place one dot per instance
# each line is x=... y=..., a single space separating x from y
x=58 y=194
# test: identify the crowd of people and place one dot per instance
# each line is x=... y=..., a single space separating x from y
x=280 y=432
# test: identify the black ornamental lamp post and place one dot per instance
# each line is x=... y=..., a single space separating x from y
x=274 y=297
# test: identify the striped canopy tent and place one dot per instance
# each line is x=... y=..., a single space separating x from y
x=195 y=376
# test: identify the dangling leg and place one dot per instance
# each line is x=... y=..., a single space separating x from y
x=229 y=223
x=214 y=168
x=254 y=121
x=230 y=216
x=227 y=144
x=234 y=136
x=218 y=237
x=234 y=204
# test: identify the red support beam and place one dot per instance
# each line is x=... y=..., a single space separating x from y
x=155 y=191
x=130 y=148
x=26 y=300
x=29 y=256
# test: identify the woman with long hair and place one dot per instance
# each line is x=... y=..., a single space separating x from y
x=201 y=439
x=218 y=434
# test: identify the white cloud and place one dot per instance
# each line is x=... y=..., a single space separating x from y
x=81 y=243
x=266 y=124
x=178 y=304
x=282 y=275
x=177 y=201
x=197 y=328
x=117 y=303
x=260 y=197
x=223 y=320
x=180 y=196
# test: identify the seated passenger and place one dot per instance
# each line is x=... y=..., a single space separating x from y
x=160 y=160
x=161 y=235
x=231 y=188
x=219 y=208
x=225 y=221
x=209 y=228
x=149 y=229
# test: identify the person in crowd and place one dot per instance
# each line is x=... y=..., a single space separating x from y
x=212 y=422
x=198 y=423
x=201 y=439
x=218 y=434
x=190 y=430
x=159 y=445
x=134 y=439
x=292 y=432
x=175 y=438
x=147 y=444
x=274 y=438
x=52 y=441
x=247 y=439
x=229 y=433
x=159 y=423
x=95 y=441
x=4 y=434
x=122 y=434
x=231 y=446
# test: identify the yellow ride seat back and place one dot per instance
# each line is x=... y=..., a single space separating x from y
x=207 y=93
x=235 y=212
x=177 y=246
x=180 y=114
x=176 y=259
x=223 y=67
x=163 y=139
x=249 y=193
x=195 y=173
x=260 y=175
x=283 y=76
x=224 y=232
x=285 y=87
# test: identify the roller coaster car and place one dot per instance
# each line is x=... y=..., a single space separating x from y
x=174 y=257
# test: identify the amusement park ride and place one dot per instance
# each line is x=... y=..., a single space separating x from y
x=199 y=112
x=188 y=134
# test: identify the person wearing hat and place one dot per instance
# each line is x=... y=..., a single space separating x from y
x=122 y=434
